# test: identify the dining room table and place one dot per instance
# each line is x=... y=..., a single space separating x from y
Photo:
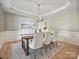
x=25 y=45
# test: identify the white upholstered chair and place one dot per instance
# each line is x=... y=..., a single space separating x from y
x=37 y=42
x=47 y=40
x=54 y=38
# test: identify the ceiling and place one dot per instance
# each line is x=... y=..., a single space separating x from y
x=31 y=7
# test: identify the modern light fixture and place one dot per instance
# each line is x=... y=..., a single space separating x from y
x=40 y=18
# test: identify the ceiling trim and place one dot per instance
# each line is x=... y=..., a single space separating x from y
x=21 y=13
x=52 y=12
x=18 y=11
x=59 y=9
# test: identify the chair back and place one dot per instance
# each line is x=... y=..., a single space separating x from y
x=54 y=36
x=47 y=38
x=37 y=41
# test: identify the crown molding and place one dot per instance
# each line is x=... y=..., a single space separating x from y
x=59 y=9
x=18 y=11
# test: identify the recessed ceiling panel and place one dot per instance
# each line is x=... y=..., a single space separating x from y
x=31 y=6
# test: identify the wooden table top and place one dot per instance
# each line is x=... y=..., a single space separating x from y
x=28 y=37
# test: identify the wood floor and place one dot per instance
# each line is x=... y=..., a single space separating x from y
x=69 y=51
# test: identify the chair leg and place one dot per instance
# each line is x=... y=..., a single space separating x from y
x=50 y=46
x=0 y=57
x=53 y=44
x=45 y=49
x=56 y=43
x=41 y=51
x=35 y=54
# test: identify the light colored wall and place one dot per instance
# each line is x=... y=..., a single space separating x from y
x=12 y=22
x=1 y=20
x=65 y=21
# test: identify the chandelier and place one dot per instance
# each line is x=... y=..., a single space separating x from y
x=40 y=18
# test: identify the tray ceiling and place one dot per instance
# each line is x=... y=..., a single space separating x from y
x=31 y=6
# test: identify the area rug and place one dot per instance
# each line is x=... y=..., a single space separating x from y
x=18 y=53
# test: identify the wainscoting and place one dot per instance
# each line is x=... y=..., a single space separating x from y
x=7 y=36
x=68 y=36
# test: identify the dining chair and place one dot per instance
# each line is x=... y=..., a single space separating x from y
x=54 y=39
x=36 y=42
x=47 y=40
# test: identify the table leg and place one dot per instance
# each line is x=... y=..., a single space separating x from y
x=22 y=42
x=27 y=50
x=0 y=58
